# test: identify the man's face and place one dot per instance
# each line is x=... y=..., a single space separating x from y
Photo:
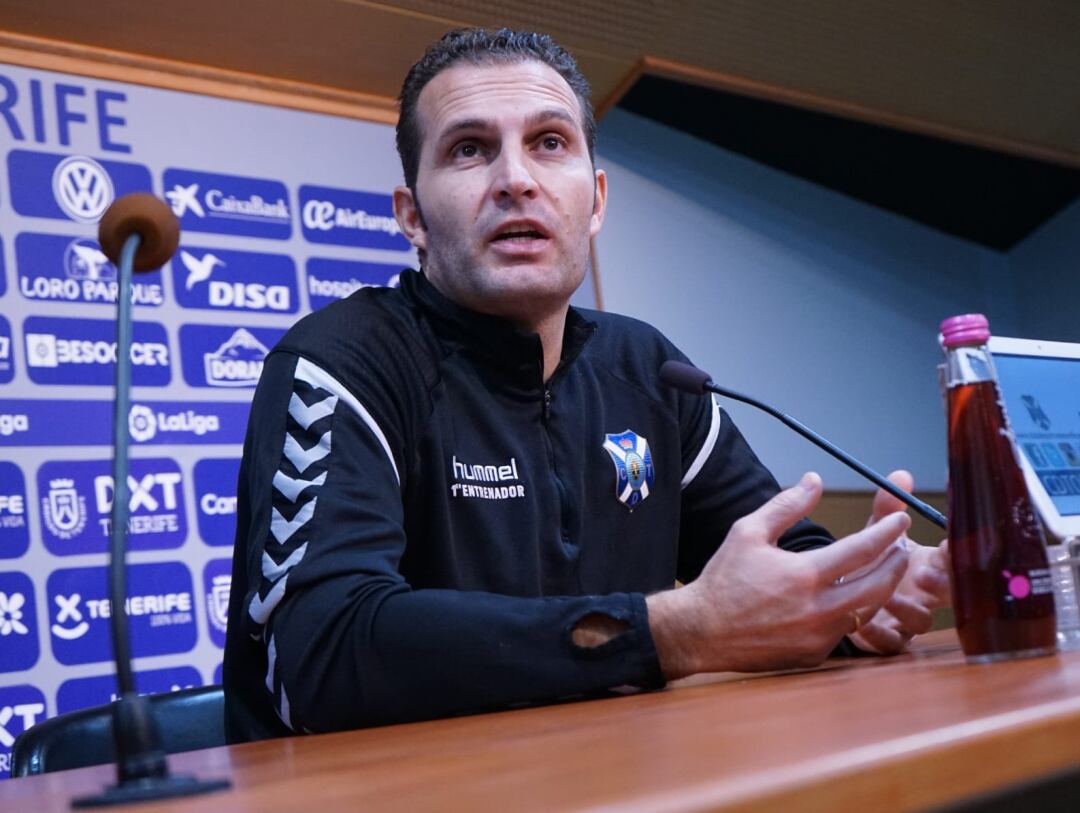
x=506 y=195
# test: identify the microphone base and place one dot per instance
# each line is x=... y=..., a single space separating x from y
x=151 y=789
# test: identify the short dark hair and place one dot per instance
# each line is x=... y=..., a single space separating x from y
x=481 y=46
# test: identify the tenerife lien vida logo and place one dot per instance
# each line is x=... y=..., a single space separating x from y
x=63 y=509
x=82 y=188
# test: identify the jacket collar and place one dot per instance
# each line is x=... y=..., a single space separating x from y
x=492 y=338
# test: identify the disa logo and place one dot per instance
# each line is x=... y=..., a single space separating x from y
x=235 y=280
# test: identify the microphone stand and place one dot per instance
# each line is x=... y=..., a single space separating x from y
x=142 y=770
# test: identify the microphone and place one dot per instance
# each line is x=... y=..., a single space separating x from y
x=690 y=379
x=138 y=233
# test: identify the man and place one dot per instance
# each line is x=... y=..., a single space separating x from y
x=463 y=494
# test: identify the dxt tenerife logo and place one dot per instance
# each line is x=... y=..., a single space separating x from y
x=345 y=217
x=160 y=608
x=215 y=496
x=81 y=693
x=218 y=356
x=74 y=269
x=83 y=351
x=217 y=580
x=77 y=503
x=329 y=280
x=72 y=187
x=14 y=532
x=20 y=708
x=229 y=204
x=18 y=623
x=235 y=280
x=7 y=357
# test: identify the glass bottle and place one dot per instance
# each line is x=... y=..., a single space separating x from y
x=1002 y=589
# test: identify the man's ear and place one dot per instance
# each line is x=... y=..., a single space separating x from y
x=407 y=212
x=599 y=203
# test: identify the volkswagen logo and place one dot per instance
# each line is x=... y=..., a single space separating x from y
x=82 y=188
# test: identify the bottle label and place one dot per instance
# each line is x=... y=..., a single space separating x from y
x=1019 y=586
x=968 y=365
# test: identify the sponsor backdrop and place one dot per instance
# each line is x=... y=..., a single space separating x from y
x=282 y=213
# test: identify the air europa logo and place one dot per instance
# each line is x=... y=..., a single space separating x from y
x=350 y=218
x=229 y=204
x=218 y=279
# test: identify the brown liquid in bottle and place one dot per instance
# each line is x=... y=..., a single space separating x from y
x=1002 y=593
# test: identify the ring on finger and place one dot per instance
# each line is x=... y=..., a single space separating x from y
x=856 y=621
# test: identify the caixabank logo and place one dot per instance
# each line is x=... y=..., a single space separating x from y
x=215 y=496
x=83 y=351
x=20 y=708
x=65 y=268
x=14 y=531
x=85 y=692
x=217 y=580
x=225 y=356
x=18 y=623
x=229 y=204
x=77 y=503
x=70 y=187
x=7 y=352
x=160 y=608
x=217 y=279
x=347 y=217
x=329 y=280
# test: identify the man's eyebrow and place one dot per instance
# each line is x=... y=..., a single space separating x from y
x=558 y=113
x=463 y=124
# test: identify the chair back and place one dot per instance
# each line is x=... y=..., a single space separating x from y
x=187 y=719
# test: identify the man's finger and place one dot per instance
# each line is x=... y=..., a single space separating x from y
x=877 y=637
x=870 y=592
x=783 y=510
x=884 y=502
x=847 y=555
x=914 y=618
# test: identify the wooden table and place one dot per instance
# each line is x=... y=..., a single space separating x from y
x=875 y=734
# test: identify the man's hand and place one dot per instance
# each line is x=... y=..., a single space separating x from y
x=924 y=587
x=756 y=607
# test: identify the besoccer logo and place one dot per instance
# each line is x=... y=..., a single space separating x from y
x=63 y=509
x=82 y=188
x=142 y=423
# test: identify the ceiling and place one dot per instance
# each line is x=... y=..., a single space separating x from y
x=995 y=73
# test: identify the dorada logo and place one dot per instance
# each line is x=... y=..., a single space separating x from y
x=144 y=423
x=11 y=614
x=68 y=612
x=235 y=294
x=10 y=423
x=82 y=188
x=63 y=509
x=236 y=363
x=217 y=602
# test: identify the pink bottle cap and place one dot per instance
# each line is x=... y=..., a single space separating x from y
x=968 y=328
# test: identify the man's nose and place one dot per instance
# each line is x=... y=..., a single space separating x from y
x=513 y=176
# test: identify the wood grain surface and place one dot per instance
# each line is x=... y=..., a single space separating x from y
x=876 y=734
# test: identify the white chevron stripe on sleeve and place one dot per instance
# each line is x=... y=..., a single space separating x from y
x=283 y=528
x=307 y=415
x=301 y=457
x=260 y=609
x=271 y=662
x=272 y=571
x=290 y=488
x=706 y=447
x=317 y=377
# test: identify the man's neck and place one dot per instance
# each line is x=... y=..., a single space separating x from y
x=551 y=329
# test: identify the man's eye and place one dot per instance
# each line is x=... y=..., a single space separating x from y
x=467 y=150
x=552 y=143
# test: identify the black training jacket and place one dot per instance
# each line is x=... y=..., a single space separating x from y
x=422 y=521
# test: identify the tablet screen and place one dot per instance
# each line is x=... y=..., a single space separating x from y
x=1042 y=396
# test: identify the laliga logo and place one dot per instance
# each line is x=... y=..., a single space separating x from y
x=63 y=509
x=69 y=609
x=82 y=188
x=12 y=423
x=144 y=423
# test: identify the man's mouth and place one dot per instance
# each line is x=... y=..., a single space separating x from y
x=518 y=232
